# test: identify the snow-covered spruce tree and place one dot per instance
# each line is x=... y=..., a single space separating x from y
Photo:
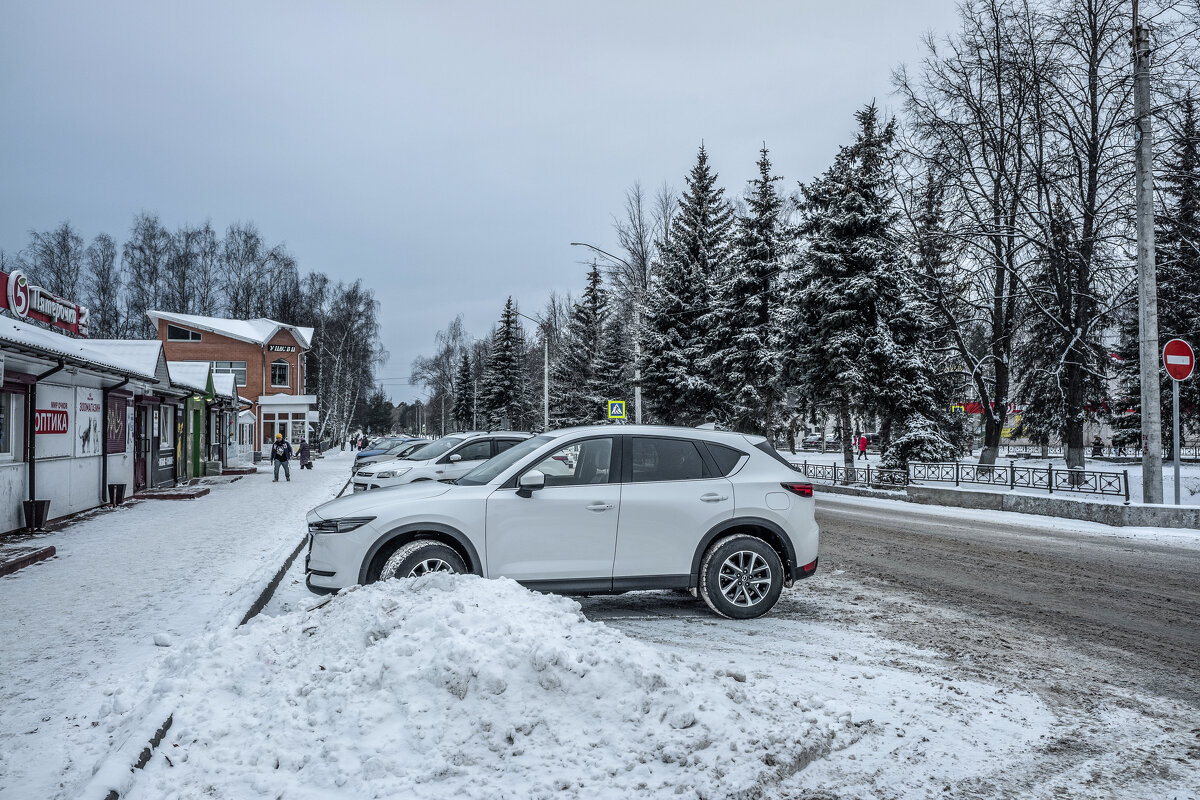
x=853 y=346
x=911 y=386
x=1062 y=360
x=1177 y=260
x=746 y=363
x=576 y=391
x=464 y=395
x=676 y=343
x=504 y=395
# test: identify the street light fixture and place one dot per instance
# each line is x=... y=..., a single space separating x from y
x=637 y=327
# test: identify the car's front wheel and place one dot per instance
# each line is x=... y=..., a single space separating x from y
x=422 y=557
x=741 y=577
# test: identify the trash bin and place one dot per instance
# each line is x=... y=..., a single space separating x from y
x=36 y=512
x=116 y=493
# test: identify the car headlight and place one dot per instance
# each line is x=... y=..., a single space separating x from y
x=344 y=525
x=393 y=473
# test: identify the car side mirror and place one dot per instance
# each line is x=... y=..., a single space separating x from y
x=530 y=482
x=454 y=459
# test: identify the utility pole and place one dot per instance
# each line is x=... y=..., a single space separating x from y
x=1152 y=479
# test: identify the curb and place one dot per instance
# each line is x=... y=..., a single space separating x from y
x=33 y=556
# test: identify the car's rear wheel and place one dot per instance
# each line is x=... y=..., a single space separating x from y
x=422 y=557
x=741 y=577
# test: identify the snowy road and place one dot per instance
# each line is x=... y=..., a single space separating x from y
x=79 y=653
x=1132 y=599
x=995 y=655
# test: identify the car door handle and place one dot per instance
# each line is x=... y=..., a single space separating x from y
x=599 y=506
x=713 y=497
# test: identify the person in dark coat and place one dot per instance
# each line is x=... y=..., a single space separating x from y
x=305 y=455
x=281 y=453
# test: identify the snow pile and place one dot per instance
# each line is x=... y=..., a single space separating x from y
x=455 y=686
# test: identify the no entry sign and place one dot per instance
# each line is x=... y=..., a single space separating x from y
x=1179 y=359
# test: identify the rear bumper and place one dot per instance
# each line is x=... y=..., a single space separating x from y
x=801 y=571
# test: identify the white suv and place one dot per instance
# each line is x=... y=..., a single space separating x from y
x=602 y=509
x=446 y=459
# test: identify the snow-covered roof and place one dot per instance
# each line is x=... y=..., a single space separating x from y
x=225 y=385
x=133 y=358
x=141 y=356
x=190 y=374
x=258 y=331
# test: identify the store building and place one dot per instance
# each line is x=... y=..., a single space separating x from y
x=68 y=422
x=266 y=359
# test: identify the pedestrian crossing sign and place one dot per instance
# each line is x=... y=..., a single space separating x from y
x=616 y=409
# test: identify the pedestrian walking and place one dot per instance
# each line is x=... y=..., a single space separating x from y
x=862 y=447
x=281 y=453
x=305 y=455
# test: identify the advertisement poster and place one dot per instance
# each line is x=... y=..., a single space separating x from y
x=52 y=421
x=89 y=421
x=154 y=426
x=129 y=428
x=115 y=425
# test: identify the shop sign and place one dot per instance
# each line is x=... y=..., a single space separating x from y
x=165 y=461
x=52 y=421
x=27 y=301
x=88 y=421
x=281 y=348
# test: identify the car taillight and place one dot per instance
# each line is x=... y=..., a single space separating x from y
x=802 y=489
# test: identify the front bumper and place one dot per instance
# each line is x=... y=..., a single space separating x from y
x=333 y=560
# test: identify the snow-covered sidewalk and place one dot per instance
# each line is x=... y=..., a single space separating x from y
x=85 y=634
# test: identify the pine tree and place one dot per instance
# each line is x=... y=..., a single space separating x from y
x=1177 y=262
x=746 y=363
x=1062 y=362
x=676 y=342
x=504 y=396
x=464 y=395
x=852 y=343
x=577 y=395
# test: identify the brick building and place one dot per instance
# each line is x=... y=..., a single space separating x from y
x=266 y=358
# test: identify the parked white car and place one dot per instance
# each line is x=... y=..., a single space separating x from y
x=601 y=509
x=446 y=459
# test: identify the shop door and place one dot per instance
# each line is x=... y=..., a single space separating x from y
x=197 y=441
x=140 y=446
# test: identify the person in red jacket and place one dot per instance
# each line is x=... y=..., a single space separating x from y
x=862 y=447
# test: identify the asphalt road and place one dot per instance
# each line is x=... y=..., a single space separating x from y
x=1130 y=603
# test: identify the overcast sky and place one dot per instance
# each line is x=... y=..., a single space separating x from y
x=445 y=152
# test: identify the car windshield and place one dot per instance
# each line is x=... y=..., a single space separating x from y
x=438 y=448
x=489 y=469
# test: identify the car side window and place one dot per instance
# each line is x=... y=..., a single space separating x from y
x=726 y=457
x=504 y=444
x=480 y=450
x=666 y=460
x=579 y=463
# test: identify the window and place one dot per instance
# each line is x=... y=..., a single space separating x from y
x=579 y=463
x=476 y=451
x=488 y=470
x=236 y=368
x=178 y=334
x=166 y=432
x=10 y=415
x=279 y=373
x=666 y=460
x=726 y=457
x=504 y=444
x=435 y=450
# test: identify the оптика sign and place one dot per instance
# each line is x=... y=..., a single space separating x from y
x=27 y=301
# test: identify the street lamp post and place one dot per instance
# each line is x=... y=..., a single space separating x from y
x=637 y=328
x=545 y=372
